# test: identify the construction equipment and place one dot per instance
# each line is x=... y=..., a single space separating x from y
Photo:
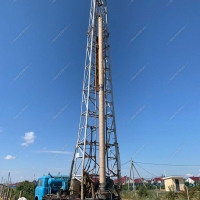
x=95 y=170
x=97 y=152
x=52 y=187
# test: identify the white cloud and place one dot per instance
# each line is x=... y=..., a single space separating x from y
x=29 y=138
x=56 y=152
x=189 y=175
x=9 y=157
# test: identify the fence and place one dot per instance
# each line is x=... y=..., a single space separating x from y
x=6 y=193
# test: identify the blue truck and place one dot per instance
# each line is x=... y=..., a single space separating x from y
x=62 y=187
x=52 y=187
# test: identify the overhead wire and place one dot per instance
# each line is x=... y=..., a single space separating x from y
x=164 y=164
x=159 y=164
x=145 y=170
x=126 y=162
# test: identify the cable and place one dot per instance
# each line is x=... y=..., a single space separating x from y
x=125 y=163
x=168 y=164
x=163 y=164
x=145 y=170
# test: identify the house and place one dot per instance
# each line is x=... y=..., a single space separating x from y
x=157 y=181
x=148 y=181
x=123 y=180
x=174 y=182
x=140 y=180
x=193 y=180
x=127 y=180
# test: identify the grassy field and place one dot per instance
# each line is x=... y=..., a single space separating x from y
x=152 y=194
x=159 y=195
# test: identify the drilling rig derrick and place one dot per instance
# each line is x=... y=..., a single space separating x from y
x=96 y=171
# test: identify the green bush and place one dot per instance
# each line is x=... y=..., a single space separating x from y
x=28 y=189
x=187 y=192
x=172 y=194
x=142 y=192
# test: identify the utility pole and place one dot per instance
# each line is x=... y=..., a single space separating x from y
x=8 y=186
x=2 y=187
x=187 y=193
x=96 y=155
x=139 y=175
x=131 y=175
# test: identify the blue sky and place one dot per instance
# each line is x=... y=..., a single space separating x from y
x=155 y=60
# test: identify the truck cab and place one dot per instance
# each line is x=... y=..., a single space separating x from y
x=42 y=187
x=51 y=185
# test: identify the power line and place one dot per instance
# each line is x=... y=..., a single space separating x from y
x=125 y=163
x=145 y=170
x=168 y=164
x=164 y=164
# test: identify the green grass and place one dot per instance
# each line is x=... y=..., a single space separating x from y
x=153 y=195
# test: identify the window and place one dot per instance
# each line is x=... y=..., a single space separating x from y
x=40 y=182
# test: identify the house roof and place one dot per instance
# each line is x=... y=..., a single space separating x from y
x=138 y=180
x=194 y=178
x=172 y=177
x=158 y=179
x=123 y=179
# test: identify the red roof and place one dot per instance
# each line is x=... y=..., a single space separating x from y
x=138 y=180
x=123 y=179
x=158 y=179
x=196 y=179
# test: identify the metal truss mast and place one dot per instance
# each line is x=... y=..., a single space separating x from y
x=86 y=156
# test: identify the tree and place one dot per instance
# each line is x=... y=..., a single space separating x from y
x=142 y=192
x=125 y=187
x=197 y=187
x=27 y=188
x=150 y=186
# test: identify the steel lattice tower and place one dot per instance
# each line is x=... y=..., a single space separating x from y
x=86 y=156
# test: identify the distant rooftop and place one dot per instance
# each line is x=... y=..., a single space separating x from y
x=173 y=176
